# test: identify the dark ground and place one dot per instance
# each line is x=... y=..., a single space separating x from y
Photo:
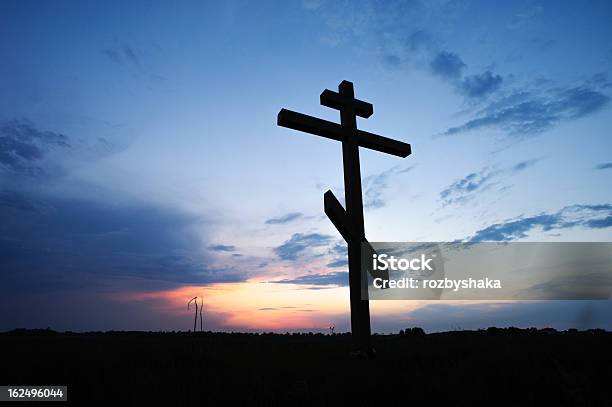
x=499 y=367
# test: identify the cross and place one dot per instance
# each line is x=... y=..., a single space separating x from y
x=349 y=222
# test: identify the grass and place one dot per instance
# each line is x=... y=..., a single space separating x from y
x=499 y=366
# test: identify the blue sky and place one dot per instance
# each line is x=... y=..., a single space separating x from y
x=139 y=152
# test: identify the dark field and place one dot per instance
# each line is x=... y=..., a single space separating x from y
x=499 y=367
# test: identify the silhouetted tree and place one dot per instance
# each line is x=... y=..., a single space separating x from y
x=416 y=331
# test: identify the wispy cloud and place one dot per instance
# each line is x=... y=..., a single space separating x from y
x=603 y=166
x=526 y=16
x=589 y=216
x=339 y=252
x=221 y=248
x=339 y=278
x=23 y=147
x=374 y=185
x=283 y=219
x=523 y=165
x=480 y=85
x=450 y=67
x=395 y=30
x=14 y=200
x=463 y=190
x=135 y=61
x=383 y=26
x=475 y=183
x=124 y=55
x=527 y=113
x=447 y=65
x=338 y=263
x=298 y=243
x=600 y=80
x=339 y=249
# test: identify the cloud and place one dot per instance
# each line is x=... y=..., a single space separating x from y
x=447 y=65
x=338 y=263
x=339 y=278
x=221 y=248
x=599 y=223
x=298 y=243
x=53 y=240
x=123 y=55
x=603 y=166
x=463 y=190
x=11 y=199
x=35 y=158
x=137 y=63
x=515 y=229
x=523 y=165
x=421 y=39
x=418 y=50
x=375 y=184
x=339 y=249
x=287 y=218
x=589 y=216
x=311 y=4
x=114 y=55
x=450 y=66
x=23 y=147
x=477 y=86
x=532 y=112
x=600 y=79
x=526 y=16
x=130 y=55
x=74 y=243
x=382 y=27
x=468 y=187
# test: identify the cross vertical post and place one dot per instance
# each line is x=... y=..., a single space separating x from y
x=349 y=222
x=360 y=309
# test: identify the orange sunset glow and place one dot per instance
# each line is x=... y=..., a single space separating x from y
x=265 y=306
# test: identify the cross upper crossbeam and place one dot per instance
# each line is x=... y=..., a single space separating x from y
x=344 y=99
x=340 y=101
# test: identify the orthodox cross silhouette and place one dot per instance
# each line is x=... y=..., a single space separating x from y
x=349 y=222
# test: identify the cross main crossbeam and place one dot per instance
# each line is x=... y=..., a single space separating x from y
x=319 y=127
